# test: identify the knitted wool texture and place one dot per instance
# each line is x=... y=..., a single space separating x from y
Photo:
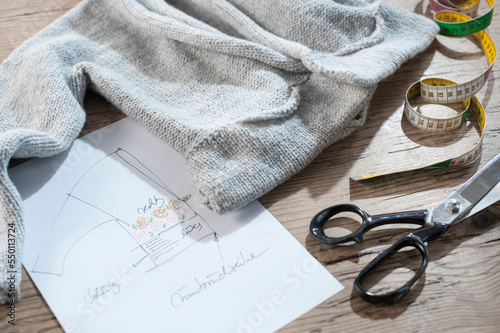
x=249 y=92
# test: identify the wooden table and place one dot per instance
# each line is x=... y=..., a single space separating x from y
x=460 y=291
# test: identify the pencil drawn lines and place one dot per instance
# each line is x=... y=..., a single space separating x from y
x=93 y=206
x=162 y=225
x=74 y=244
x=158 y=182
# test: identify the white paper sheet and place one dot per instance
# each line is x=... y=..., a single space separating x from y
x=116 y=241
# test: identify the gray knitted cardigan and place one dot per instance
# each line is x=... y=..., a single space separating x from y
x=248 y=91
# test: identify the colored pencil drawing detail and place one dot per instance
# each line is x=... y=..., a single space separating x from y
x=160 y=219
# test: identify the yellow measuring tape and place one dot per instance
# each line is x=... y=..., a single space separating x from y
x=454 y=21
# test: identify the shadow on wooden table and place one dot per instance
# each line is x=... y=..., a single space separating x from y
x=411 y=182
x=382 y=311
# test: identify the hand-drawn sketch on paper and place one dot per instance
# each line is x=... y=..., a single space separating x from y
x=116 y=243
x=136 y=203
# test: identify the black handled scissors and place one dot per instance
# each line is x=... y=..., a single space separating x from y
x=479 y=192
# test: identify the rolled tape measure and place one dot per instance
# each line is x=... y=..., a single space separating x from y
x=455 y=22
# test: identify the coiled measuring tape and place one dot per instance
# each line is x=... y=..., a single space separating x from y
x=454 y=21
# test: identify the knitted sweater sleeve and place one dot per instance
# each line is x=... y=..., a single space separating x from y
x=40 y=115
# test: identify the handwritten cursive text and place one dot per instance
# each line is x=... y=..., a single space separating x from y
x=97 y=292
x=152 y=203
x=182 y=295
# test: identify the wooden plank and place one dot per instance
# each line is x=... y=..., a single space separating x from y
x=460 y=289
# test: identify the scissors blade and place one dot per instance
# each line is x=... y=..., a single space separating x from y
x=458 y=205
x=492 y=197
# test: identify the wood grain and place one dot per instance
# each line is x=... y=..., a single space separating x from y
x=460 y=291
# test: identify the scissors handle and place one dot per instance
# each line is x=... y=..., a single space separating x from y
x=368 y=222
x=417 y=240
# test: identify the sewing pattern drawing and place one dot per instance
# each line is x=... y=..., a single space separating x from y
x=120 y=192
